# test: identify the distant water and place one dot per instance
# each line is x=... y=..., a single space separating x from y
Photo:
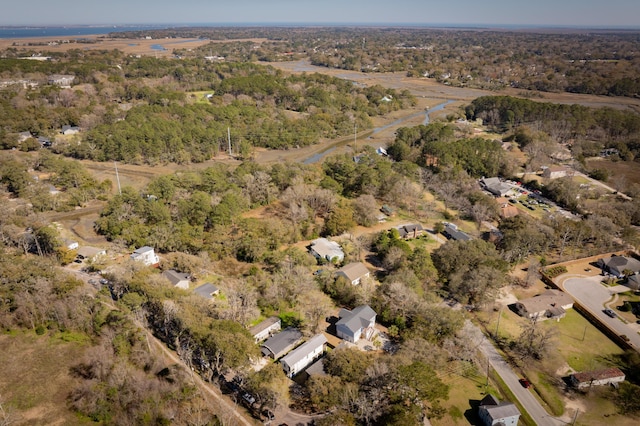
x=24 y=32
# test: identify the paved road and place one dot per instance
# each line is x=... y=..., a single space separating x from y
x=591 y=294
x=525 y=397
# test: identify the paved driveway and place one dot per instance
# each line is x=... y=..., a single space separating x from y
x=593 y=295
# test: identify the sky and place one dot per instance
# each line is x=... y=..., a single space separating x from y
x=572 y=13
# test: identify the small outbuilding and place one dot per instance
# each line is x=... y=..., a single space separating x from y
x=207 y=290
x=177 y=279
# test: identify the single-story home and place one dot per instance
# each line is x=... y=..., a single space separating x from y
x=177 y=279
x=617 y=265
x=23 y=136
x=413 y=230
x=555 y=172
x=280 y=344
x=207 y=290
x=507 y=209
x=327 y=250
x=145 y=255
x=354 y=272
x=550 y=304
x=303 y=355
x=90 y=253
x=495 y=186
x=493 y=412
x=452 y=232
x=70 y=130
x=356 y=323
x=265 y=328
x=597 y=378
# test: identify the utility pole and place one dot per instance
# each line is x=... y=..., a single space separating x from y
x=355 y=137
x=117 y=178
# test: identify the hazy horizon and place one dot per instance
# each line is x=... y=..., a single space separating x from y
x=612 y=14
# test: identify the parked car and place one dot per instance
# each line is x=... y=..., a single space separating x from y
x=610 y=313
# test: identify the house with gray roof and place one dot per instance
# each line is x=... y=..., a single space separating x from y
x=550 y=304
x=354 y=272
x=146 y=255
x=493 y=412
x=265 y=328
x=177 y=279
x=495 y=186
x=207 y=290
x=617 y=265
x=280 y=344
x=327 y=250
x=304 y=355
x=355 y=324
x=452 y=232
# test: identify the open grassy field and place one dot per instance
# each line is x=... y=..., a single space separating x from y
x=35 y=380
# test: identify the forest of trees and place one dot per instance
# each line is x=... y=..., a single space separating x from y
x=592 y=62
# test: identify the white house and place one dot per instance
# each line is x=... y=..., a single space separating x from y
x=356 y=323
x=327 y=250
x=304 y=355
x=354 y=272
x=555 y=172
x=177 y=279
x=71 y=244
x=69 y=130
x=597 y=378
x=265 y=329
x=493 y=412
x=62 y=80
x=145 y=255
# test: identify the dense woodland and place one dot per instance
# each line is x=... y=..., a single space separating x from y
x=244 y=227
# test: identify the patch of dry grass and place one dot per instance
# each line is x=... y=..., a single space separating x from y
x=35 y=379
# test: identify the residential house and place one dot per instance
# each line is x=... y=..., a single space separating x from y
x=354 y=272
x=550 y=304
x=145 y=255
x=90 y=253
x=327 y=250
x=70 y=130
x=303 y=355
x=177 y=279
x=23 y=136
x=452 y=232
x=618 y=265
x=597 y=378
x=493 y=412
x=410 y=231
x=265 y=329
x=495 y=186
x=280 y=344
x=207 y=290
x=507 y=209
x=62 y=80
x=355 y=324
x=633 y=282
x=555 y=172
